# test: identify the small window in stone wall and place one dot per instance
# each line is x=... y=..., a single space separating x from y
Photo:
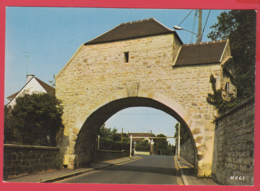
x=126 y=56
x=229 y=88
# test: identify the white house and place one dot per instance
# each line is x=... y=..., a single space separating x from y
x=33 y=85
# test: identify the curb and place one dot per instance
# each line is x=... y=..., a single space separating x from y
x=66 y=176
x=183 y=177
x=84 y=171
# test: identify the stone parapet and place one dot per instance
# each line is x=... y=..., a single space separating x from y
x=234 y=146
x=25 y=159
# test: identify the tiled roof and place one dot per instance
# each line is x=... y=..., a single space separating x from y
x=138 y=135
x=201 y=53
x=131 y=30
x=12 y=96
x=45 y=86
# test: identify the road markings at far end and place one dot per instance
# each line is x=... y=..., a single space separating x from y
x=128 y=161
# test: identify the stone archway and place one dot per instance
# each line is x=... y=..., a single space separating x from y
x=86 y=127
x=158 y=67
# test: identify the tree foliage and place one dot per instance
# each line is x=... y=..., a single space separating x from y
x=162 y=146
x=217 y=100
x=111 y=134
x=239 y=26
x=34 y=120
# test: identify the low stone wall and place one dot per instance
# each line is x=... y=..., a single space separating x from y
x=103 y=155
x=233 y=161
x=25 y=159
x=188 y=152
x=142 y=152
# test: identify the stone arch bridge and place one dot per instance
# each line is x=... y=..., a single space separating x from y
x=141 y=63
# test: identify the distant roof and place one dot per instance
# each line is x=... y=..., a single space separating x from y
x=45 y=86
x=201 y=53
x=12 y=96
x=138 y=135
x=48 y=88
x=135 y=29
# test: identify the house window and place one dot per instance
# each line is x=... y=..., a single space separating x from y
x=126 y=56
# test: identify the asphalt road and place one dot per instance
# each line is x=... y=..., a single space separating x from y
x=148 y=170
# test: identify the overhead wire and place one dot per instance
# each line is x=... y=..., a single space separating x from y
x=205 y=23
x=185 y=18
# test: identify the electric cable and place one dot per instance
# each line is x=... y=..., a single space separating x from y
x=205 y=24
x=185 y=18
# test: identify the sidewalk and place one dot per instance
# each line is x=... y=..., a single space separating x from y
x=188 y=176
x=52 y=176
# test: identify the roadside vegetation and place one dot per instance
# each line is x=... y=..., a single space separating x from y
x=34 y=120
x=239 y=26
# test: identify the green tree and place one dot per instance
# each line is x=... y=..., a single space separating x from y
x=162 y=147
x=217 y=100
x=9 y=130
x=107 y=133
x=239 y=26
x=36 y=119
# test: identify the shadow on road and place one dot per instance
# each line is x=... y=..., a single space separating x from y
x=157 y=170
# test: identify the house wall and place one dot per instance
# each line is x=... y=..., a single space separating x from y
x=32 y=87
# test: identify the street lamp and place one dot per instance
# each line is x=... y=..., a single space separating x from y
x=198 y=36
x=180 y=28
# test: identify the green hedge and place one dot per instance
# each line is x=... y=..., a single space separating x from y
x=108 y=144
x=142 y=148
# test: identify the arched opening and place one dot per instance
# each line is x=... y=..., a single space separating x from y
x=89 y=131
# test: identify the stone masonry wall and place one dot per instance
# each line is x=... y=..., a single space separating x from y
x=188 y=152
x=98 y=74
x=234 y=146
x=23 y=159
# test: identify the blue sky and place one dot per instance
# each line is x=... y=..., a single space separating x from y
x=50 y=36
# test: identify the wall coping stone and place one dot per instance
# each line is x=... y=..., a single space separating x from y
x=30 y=147
x=252 y=99
x=112 y=151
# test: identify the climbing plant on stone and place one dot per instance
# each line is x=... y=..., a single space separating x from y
x=239 y=26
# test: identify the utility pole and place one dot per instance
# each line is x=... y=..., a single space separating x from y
x=131 y=141
x=98 y=142
x=199 y=36
x=122 y=135
x=179 y=141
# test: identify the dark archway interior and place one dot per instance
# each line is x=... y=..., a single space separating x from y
x=90 y=128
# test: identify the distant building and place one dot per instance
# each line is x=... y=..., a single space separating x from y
x=33 y=85
x=139 y=136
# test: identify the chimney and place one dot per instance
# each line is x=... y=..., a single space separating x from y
x=29 y=77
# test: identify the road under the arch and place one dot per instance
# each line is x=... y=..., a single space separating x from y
x=90 y=129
